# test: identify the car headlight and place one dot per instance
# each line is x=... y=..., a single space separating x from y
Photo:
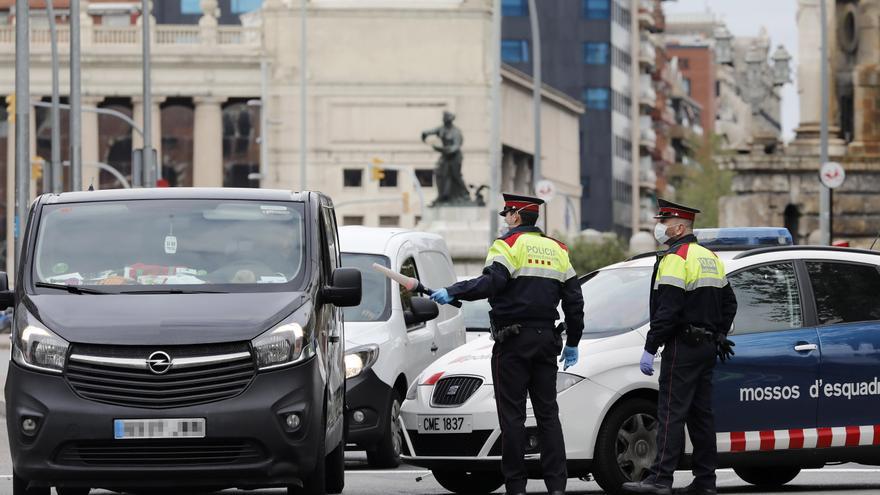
x=413 y=389
x=565 y=381
x=283 y=345
x=359 y=359
x=37 y=347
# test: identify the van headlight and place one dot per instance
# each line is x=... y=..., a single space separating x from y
x=359 y=359
x=37 y=347
x=565 y=381
x=283 y=345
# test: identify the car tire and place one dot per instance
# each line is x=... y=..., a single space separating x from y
x=469 y=482
x=770 y=477
x=19 y=487
x=626 y=444
x=70 y=490
x=316 y=482
x=335 y=470
x=386 y=453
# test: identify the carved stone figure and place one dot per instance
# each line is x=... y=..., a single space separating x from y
x=450 y=184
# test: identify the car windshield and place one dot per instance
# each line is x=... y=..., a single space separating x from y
x=476 y=314
x=616 y=300
x=376 y=288
x=134 y=246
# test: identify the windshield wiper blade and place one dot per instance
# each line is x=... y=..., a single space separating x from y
x=73 y=289
x=172 y=291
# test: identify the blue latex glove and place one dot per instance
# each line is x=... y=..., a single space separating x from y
x=570 y=356
x=647 y=363
x=441 y=296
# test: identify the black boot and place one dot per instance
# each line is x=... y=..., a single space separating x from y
x=693 y=489
x=646 y=487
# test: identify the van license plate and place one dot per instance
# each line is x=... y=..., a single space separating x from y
x=446 y=424
x=139 y=429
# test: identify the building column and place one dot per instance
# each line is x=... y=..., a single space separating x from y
x=208 y=22
x=90 y=142
x=137 y=141
x=208 y=142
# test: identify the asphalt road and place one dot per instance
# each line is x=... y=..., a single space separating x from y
x=848 y=479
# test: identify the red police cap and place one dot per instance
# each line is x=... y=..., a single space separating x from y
x=517 y=202
x=668 y=209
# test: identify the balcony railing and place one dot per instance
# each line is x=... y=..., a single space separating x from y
x=165 y=35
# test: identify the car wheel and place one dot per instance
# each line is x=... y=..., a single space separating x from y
x=768 y=477
x=465 y=482
x=626 y=445
x=72 y=490
x=316 y=482
x=386 y=454
x=335 y=470
x=19 y=487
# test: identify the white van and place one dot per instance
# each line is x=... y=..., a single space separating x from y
x=393 y=334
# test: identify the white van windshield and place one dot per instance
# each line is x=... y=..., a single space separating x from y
x=224 y=245
x=376 y=288
x=616 y=300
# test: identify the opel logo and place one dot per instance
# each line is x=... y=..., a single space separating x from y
x=159 y=362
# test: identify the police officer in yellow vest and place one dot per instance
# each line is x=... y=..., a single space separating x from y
x=525 y=277
x=692 y=308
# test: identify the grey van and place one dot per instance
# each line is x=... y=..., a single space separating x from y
x=178 y=337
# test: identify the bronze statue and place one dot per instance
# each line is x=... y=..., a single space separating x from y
x=451 y=188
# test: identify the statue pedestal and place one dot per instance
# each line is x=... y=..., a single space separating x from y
x=466 y=232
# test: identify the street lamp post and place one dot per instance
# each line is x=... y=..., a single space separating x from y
x=75 y=130
x=54 y=168
x=303 y=80
x=824 y=191
x=22 y=123
x=148 y=165
x=495 y=122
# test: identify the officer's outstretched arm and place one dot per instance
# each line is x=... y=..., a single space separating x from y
x=491 y=282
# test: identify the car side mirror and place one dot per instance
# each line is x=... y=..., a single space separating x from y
x=7 y=297
x=422 y=309
x=344 y=289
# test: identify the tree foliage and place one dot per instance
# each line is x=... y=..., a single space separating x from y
x=587 y=256
x=701 y=183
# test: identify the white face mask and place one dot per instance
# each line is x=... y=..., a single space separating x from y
x=660 y=233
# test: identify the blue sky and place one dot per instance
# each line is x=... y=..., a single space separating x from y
x=745 y=18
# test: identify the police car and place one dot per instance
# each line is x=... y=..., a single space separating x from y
x=802 y=391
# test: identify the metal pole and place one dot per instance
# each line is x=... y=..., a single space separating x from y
x=148 y=165
x=536 y=91
x=303 y=59
x=635 y=116
x=495 y=124
x=75 y=130
x=22 y=121
x=54 y=168
x=264 y=120
x=824 y=192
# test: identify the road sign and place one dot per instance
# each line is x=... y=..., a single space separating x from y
x=545 y=189
x=832 y=175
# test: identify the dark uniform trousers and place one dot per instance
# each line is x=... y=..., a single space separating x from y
x=527 y=363
x=686 y=397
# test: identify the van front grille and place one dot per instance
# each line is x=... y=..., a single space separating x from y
x=137 y=453
x=124 y=376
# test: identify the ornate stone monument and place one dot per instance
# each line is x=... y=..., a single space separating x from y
x=451 y=189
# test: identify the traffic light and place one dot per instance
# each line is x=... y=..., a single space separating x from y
x=10 y=109
x=377 y=172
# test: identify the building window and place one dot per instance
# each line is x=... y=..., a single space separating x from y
x=244 y=6
x=353 y=177
x=621 y=103
x=687 y=86
x=426 y=177
x=352 y=220
x=514 y=8
x=596 y=9
x=389 y=221
x=596 y=98
x=190 y=7
x=390 y=179
x=684 y=63
x=621 y=59
x=621 y=15
x=515 y=51
x=596 y=53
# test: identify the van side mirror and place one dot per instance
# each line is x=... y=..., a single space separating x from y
x=345 y=288
x=422 y=310
x=7 y=298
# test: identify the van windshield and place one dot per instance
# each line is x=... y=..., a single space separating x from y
x=616 y=300
x=375 y=299
x=217 y=245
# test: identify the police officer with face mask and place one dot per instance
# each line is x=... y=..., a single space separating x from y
x=525 y=277
x=692 y=308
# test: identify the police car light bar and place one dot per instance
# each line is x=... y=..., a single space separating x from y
x=743 y=237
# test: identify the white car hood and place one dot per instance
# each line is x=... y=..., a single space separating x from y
x=360 y=333
x=475 y=357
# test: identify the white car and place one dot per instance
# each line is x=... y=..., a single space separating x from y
x=392 y=334
x=801 y=391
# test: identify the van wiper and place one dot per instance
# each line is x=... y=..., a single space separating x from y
x=172 y=291
x=73 y=289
